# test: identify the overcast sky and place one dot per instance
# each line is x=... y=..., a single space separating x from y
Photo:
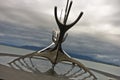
x=31 y=22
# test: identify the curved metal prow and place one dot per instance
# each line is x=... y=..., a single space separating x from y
x=63 y=26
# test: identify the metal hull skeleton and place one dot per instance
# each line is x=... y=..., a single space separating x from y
x=54 y=53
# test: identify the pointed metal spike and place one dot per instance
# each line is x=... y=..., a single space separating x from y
x=67 y=13
x=72 y=24
x=66 y=6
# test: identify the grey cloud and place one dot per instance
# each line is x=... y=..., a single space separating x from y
x=25 y=23
x=114 y=18
x=88 y=44
x=30 y=22
x=21 y=35
x=26 y=13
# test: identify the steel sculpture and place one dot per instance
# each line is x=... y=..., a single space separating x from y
x=56 y=54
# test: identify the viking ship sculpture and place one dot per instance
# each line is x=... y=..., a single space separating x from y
x=54 y=52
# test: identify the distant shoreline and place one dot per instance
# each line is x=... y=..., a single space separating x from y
x=16 y=55
x=78 y=56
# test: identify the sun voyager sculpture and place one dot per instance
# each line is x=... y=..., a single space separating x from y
x=55 y=55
